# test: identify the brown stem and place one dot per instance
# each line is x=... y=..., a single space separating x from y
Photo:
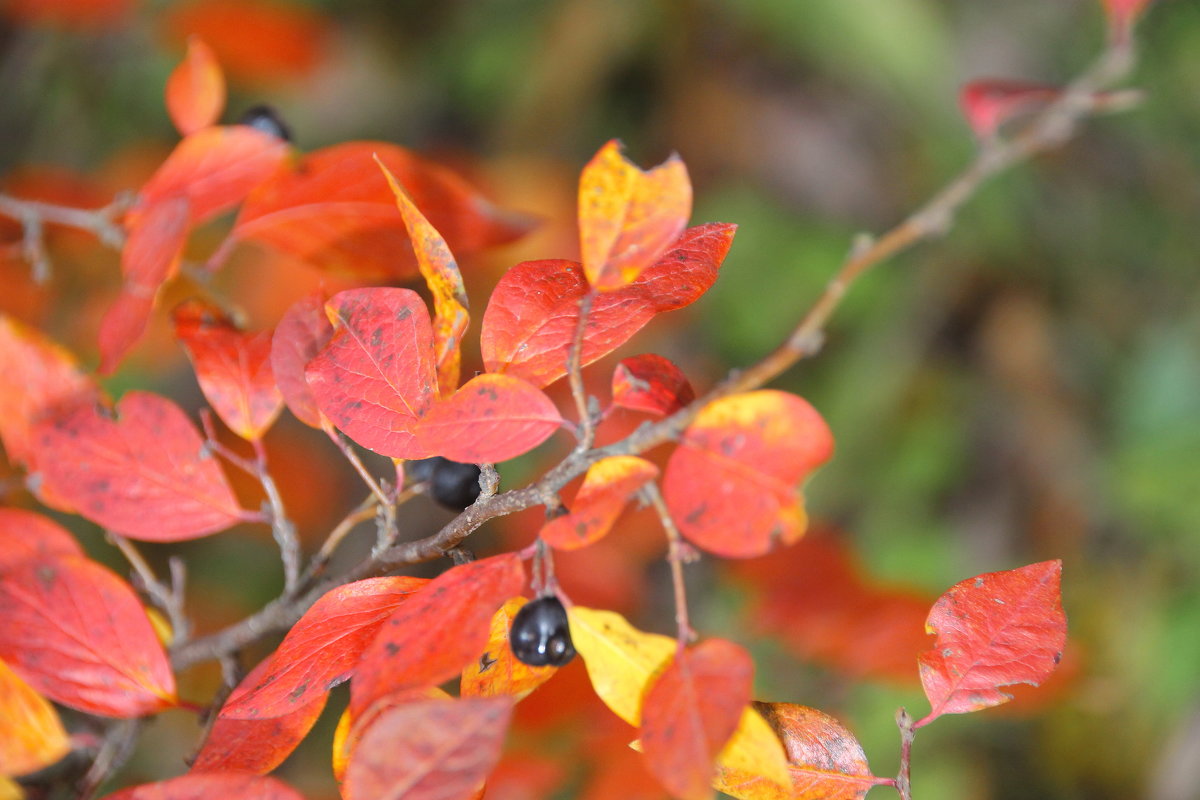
x=678 y=553
x=575 y=373
x=168 y=599
x=907 y=734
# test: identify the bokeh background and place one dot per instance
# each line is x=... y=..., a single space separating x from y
x=1026 y=388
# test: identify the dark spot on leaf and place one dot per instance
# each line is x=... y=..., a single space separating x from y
x=296 y=693
x=392 y=648
x=486 y=661
x=403 y=314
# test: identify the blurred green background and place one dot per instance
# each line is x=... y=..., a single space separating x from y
x=1026 y=388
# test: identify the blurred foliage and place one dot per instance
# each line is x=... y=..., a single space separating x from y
x=1026 y=388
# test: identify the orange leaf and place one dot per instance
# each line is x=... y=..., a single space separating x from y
x=196 y=89
x=993 y=630
x=731 y=483
x=492 y=418
x=321 y=649
x=77 y=633
x=31 y=734
x=629 y=217
x=335 y=210
x=145 y=474
x=429 y=749
x=606 y=489
x=440 y=629
x=440 y=270
x=652 y=384
x=497 y=671
x=691 y=710
x=531 y=317
x=299 y=336
x=350 y=728
x=233 y=368
x=25 y=535
x=211 y=786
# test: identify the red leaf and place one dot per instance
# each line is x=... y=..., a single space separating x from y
x=375 y=377
x=492 y=418
x=1123 y=15
x=321 y=649
x=334 y=209
x=211 y=786
x=532 y=314
x=429 y=750
x=150 y=258
x=439 y=630
x=40 y=377
x=256 y=745
x=196 y=89
x=825 y=761
x=232 y=366
x=299 y=336
x=652 y=384
x=25 y=535
x=214 y=169
x=988 y=104
x=690 y=712
x=993 y=630
x=606 y=489
x=145 y=474
x=629 y=217
x=731 y=483
x=77 y=633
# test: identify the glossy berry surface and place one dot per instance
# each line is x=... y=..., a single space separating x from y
x=453 y=484
x=267 y=120
x=540 y=635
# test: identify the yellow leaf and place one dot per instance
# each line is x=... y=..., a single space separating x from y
x=620 y=659
x=497 y=671
x=754 y=748
x=31 y=734
x=11 y=790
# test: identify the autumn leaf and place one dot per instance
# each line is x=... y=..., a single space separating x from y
x=211 y=786
x=440 y=271
x=988 y=104
x=31 y=734
x=531 y=317
x=629 y=217
x=350 y=728
x=301 y=333
x=25 y=535
x=77 y=633
x=429 y=749
x=993 y=630
x=497 y=672
x=196 y=89
x=440 y=629
x=691 y=710
x=1123 y=15
x=652 y=384
x=731 y=483
x=232 y=366
x=145 y=474
x=607 y=487
x=825 y=761
x=321 y=649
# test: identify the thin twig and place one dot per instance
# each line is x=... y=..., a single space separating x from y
x=168 y=599
x=115 y=750
x=907 y=733
x=282 y=528
x=586 y=430
x=678 y=553
x=358 y=465
x=364 y=511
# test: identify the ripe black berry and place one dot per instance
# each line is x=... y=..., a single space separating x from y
x=452 y=483
x=540 y=634
x=267 y=120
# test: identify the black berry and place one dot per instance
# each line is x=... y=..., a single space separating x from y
x=452 y=483
x=267 y=120
x=540 y=634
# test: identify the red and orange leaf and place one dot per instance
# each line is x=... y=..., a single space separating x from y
x=691 y=710
x=497 y=672
x=232 y=366
x=376 y=376
x=532 y=314
x=438 y=631
x=1123 y=15
x=145 y=474
x=256 y=745
x=77 y=633
x=825 y=761
x=301 y=333
x=39 y=377
x=335 y=210
x=652 y=384
x=731 y=485
x=196 y=89
x=213 y=169
x=350 y=728
x=149 y=259
x=440 y=271
x=25 y=535
x=492 y=418
x=993 y=630
x=211 y=786
x=606 y=489
x=629 y=217
x=429 y=750
x=31 y=734
x=321 y=649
